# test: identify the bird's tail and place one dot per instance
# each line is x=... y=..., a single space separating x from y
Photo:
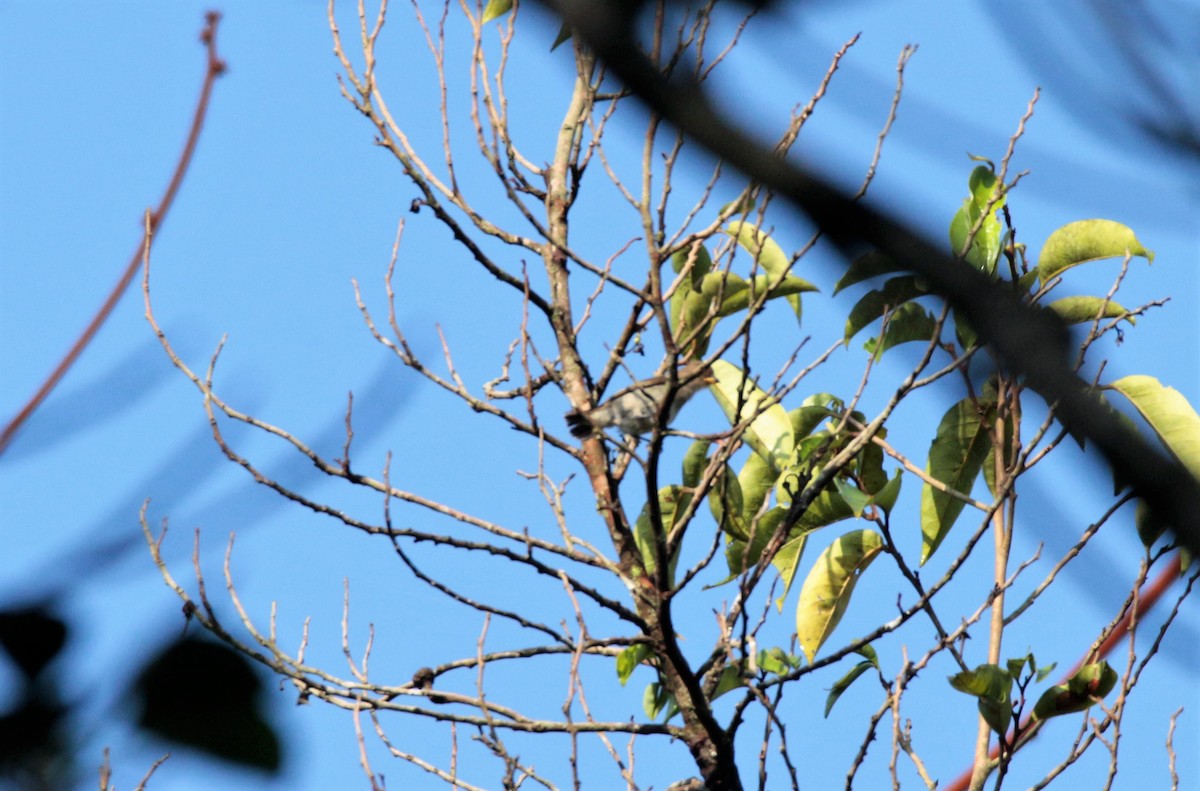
x=579 y=425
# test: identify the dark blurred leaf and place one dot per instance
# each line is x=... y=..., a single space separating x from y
x=207 y=696
x=32 y=638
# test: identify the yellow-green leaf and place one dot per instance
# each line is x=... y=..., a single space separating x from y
x=1087 y=240
x=985 y=246
x=770 y=433
x=1168 y=413
x=672 y=501
x=829 y=585
x=496 y=9
x=770 y=256
x=1077 y=310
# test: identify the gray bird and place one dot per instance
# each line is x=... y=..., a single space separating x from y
x=634 y=409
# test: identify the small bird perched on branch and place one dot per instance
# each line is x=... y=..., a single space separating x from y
x=634 y=409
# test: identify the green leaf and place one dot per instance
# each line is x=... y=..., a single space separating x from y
x=654 y=699
x=843 y=684
x=886 y=497
x=725 y=502
x=955 y=456
x=496 y=9
x=766 y=251
x=739 y=292
x=731 y=678
x=827 y=589
x=874 y=304
x=770 y=256
x=827 y=508
x=855 y=498
x=672 y=500
x=907 y=323
x=806 y=419
x=1168 y=413
x=1089 y=683
x=695 y=462
x=787 y=562
x=1087 y=240
x=742 y=554
x=689 y=307
x=1026 y=281
x=986 y=245
x=957 y=453
x=564 y=34
x=1077 y=310
x=630 y=658
x=865 y=267
x=701 y=263
x=1149 y=527
x=756 y=478
x=770 y=433
x=869 y=465
x=992 y=685
x=743 y=204
x=735 y=292
x=963 y=331
x=777 y=661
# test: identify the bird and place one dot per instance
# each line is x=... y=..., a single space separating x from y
x=635 y=409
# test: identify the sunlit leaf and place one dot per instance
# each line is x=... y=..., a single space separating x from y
x=770 y=433
x=777 y=661
x=1077 y=310
x=756 y=478
x=957 y=453
x=739 y=294
x=630 y=658
x=672 y=501
x=1168 y=413
x=829 y=585
x=496 y=9
x=656 y=699
x=986 y=244
x=1087 y=240
x=770 y=256
x=787 y=562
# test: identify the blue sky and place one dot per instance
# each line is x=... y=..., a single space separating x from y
x=288 y=200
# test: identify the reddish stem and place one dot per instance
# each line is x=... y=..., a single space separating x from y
x=214 y=68
x=1149 y=596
